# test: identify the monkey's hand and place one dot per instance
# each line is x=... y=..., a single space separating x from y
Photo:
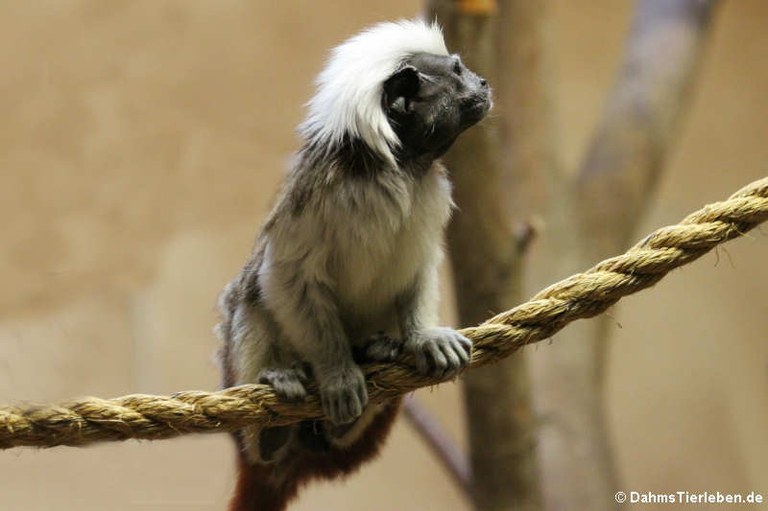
x=343 y=394
x=288 y=383
x=439 y=352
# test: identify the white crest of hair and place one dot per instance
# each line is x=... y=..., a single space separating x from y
x=349 y=89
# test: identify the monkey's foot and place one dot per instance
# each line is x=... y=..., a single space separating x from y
x=271 y=440
x=288 y=383
x=311 y=436
x=379 y=347
x=439 y=352
x=317 y=435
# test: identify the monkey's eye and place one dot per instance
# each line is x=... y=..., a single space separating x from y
x=457 y=67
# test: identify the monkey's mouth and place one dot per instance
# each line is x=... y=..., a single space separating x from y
x=475 y=107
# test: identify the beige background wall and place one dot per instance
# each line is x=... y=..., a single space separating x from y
x=140 y=145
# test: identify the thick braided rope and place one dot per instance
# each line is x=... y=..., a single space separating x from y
x=583 y=295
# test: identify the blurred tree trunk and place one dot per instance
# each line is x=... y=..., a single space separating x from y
x=506 y=175
x=496 y=191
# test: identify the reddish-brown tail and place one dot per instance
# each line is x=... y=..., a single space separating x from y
x=258 y=490
x=255 y=491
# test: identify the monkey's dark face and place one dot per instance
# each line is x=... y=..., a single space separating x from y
x=431 y=100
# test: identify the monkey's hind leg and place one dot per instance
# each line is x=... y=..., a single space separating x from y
x=290 y=385
x=379 y=347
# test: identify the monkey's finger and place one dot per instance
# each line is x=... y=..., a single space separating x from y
x=465 y=343
x=461 y=351
x=330 y=409
x=422 y=361
x=354 y=407
x=439 y=361
x=344 y=408
x=296 y=391
x=289 y=391
x=362 y=395
x=451 y=352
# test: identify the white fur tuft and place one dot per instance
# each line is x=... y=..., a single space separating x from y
x=348 y=98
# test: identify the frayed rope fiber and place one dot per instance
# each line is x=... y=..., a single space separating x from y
x=584 y=295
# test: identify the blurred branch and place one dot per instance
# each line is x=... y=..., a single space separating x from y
x=604 y=204
x=428 y=427
x=641 y=118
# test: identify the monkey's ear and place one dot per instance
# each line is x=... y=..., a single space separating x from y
x=400 y=89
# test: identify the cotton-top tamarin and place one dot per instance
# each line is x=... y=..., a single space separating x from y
x=345 y=267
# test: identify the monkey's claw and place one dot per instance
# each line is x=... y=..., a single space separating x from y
x=288 y=383
x=344 y=395
x=440 y=352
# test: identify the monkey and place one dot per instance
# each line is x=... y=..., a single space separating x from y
x=344 y=269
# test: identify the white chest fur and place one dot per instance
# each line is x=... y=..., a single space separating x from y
x=366 y=242
x=378 y=251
